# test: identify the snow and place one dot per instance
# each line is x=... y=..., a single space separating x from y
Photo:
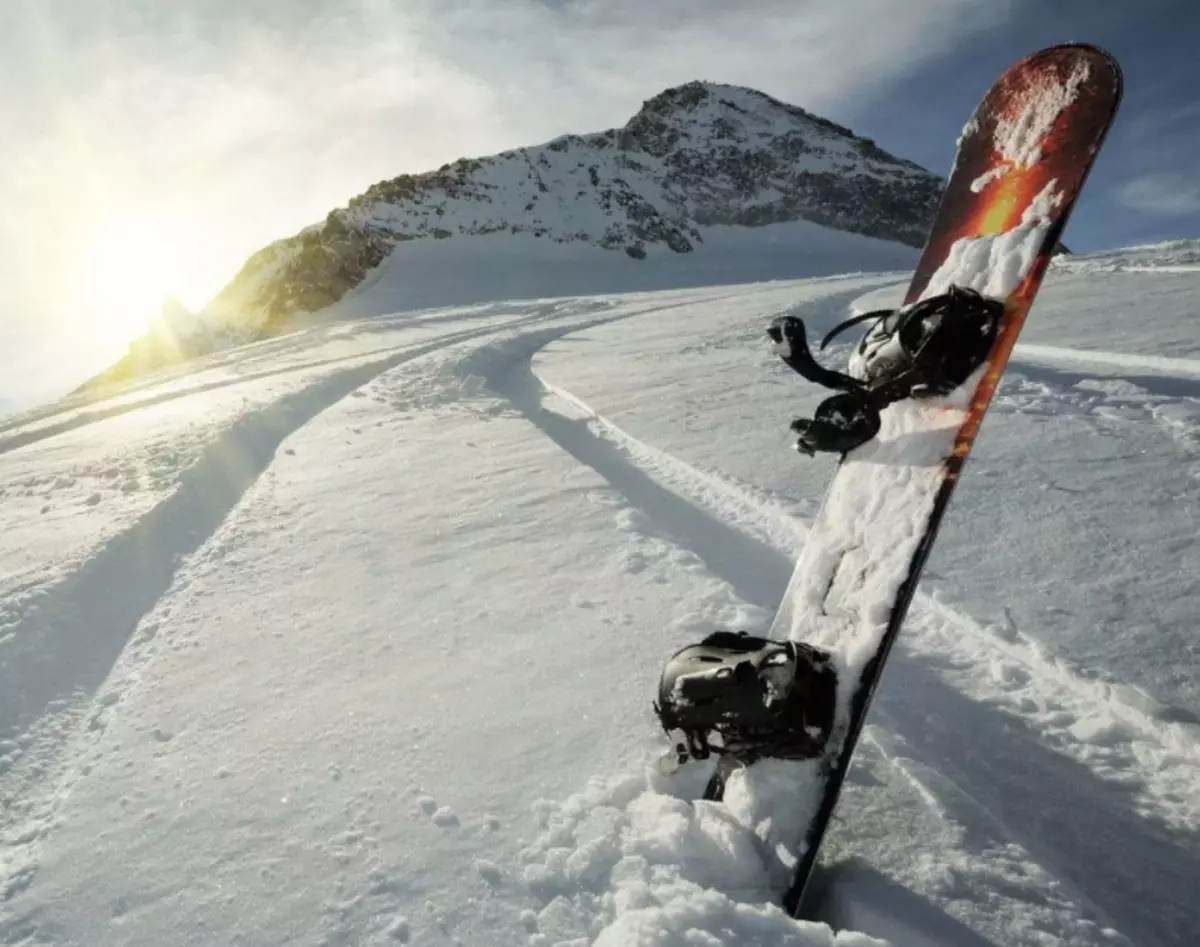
x=1018 y=139
x=653 y=869
x=425 y=273
x=996 y=265
x=350 y=637
x=1166 y=257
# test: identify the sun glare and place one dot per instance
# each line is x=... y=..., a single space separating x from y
x=134 y=263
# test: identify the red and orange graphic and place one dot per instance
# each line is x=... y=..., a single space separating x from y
x=1036 y=133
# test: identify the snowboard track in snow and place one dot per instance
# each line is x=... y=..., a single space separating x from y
x=49 y=684
x=976 y=757
x=209 y=489
x=996 y=766
x=50 y=687
x=752 y=567
x=23 y=430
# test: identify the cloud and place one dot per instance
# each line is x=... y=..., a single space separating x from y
x=1165 y=194
x=253 y=118
x=322 y=97
x=455 y=75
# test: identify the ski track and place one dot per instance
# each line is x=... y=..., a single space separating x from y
x=1119 y=387
x=34 y=433
x=1033 y=720
x=52 y=692
x=50 y=688
x=208 y=490
x=33 y=428
x=1006 y=782
x=979 y=719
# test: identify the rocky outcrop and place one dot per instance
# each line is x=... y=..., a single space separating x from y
x=692 y=157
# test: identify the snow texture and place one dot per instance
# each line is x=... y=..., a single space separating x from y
x=349 y=637
x=996 y=265
x=1018 y=138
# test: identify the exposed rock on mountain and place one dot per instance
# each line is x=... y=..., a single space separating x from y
x=174 y=335
x=693 y=156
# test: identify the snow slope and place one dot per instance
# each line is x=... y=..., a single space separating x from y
x=350 y=637
x=701 y=170
x=695 y=157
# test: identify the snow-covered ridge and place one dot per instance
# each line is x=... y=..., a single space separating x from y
x=1166 y=255
x=694 y=163
x=694 y=156
x=175 y=335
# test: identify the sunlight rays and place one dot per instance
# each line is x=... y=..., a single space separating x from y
x=132 y=265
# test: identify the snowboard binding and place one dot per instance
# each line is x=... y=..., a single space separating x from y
x=922 y=350
x=748 y=698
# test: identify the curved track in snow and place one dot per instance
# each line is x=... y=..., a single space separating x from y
x=1008 y=744
x=54 y=688
x=49 y=684
x=1046 y=803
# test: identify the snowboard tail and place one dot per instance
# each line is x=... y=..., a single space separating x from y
x=1021 y=163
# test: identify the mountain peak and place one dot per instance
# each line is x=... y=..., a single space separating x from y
x=729 y=112
x=696 y=155
x=693 y=157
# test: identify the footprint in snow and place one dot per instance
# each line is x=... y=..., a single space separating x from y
x=442 y=816
x=633 y=563
x=489 y=872
x=632 y=520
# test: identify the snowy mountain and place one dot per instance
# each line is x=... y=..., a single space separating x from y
x=174 y=335
x=696 y=163
x=350 y=636
x=693 y=157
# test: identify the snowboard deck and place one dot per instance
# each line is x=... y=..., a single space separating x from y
x=1021 y=162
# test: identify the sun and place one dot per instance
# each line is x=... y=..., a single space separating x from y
x=132 y=265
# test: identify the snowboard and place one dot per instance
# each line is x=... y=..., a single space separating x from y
x=1021 y=162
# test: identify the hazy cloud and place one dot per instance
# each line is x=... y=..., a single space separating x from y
x=252 y=118
x=139 y=96
x=1165 y=195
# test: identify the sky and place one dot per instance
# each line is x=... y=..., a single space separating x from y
x=149 y=148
